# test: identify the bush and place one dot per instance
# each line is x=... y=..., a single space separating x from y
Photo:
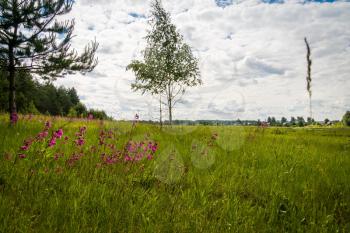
x=346 y=119
x=72 y=112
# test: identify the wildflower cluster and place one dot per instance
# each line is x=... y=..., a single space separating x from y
x=136 y=151
x=80 y=140
x=104 y=135
x=111 y=159
x=106 y=146
x=56 y=135
x=110 y=153
x=133 y=150
x=45 y=132
x=74 y=158
x=40 y=138
x=26 y=145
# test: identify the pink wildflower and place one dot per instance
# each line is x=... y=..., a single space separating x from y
x=58 y=133
x=80 y=141
x=128 y=158
x=82 y=130
x=138 y=157
x=154 y=147
x=14 y=118
x=22 y=156
x=42 y=135
x=52 y=142
x=27 y=144
x=25 y=147
x=48 y=125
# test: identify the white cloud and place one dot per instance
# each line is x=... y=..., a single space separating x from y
x=249 y=47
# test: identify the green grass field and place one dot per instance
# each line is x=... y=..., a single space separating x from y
x=199 y=179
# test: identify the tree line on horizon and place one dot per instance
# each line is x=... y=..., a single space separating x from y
x=271 y=121
x=34 y=97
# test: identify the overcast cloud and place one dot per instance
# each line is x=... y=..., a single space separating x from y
x=252 y=57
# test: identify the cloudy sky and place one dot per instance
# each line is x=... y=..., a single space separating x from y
x=251 y=52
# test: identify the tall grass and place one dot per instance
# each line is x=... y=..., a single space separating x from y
x=204 y=179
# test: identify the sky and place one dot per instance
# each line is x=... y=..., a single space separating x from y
x=252 y=57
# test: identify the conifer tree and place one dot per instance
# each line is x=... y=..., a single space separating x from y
x=32 y=39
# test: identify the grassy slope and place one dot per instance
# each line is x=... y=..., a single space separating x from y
x=250 y=180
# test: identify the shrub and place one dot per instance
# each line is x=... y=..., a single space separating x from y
x=346 y=119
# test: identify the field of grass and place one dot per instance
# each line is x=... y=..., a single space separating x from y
x=125 y=177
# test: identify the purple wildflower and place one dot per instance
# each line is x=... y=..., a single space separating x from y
x=52 y=142
x=154 y=147
x=25 y=147
x=14 y=118
x=48 y=125
x=128 y=158
x=42 y=135
x=58 y=133
x=80 y=141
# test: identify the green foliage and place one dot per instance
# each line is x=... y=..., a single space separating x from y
x=277 y=180
x=34 y=97
x=81 y=110
x=33 y=39
x=310 y=121
x=346 y=119
x=284 y=120
x=97 y=114
x=72 y=112
x=169 y=66
x=32 y=109
x=292 y=121
x=300 y=121
x=272 y=121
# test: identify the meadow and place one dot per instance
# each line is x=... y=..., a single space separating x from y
x=80 y=175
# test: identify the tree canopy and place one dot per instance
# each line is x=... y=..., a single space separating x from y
x=32 y=39
x=34 y=97
x=169 y=66
x=346 y=118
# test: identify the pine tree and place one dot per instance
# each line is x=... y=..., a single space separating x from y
x=169 y=66
x=33 y=40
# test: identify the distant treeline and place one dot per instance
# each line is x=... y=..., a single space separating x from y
x=34 y=97
x=271 y=121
